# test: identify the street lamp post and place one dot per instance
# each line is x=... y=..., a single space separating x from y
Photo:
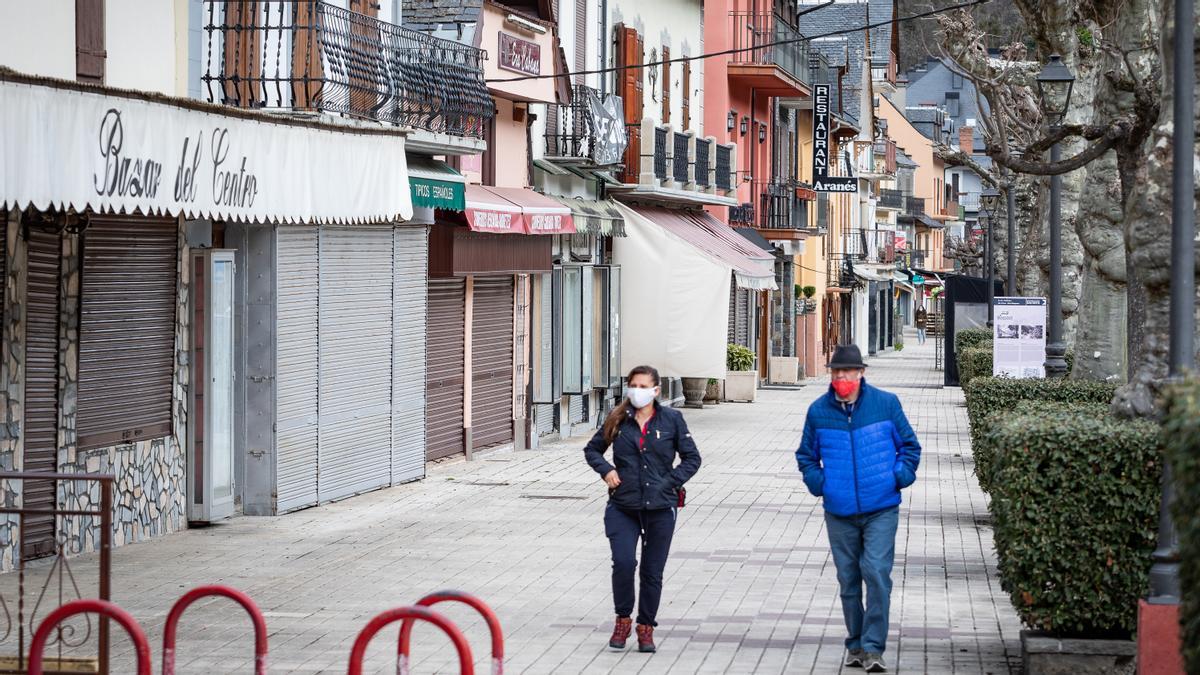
x=1011 y=202
x=1055 y=83
x=989 y=199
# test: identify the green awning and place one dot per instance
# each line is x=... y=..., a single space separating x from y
x=594 y=217
x=436 y=184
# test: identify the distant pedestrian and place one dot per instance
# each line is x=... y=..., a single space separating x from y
x=645 y=490
x=857 y=452
x=921 y=320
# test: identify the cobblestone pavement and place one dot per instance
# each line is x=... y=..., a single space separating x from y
x=750 y=585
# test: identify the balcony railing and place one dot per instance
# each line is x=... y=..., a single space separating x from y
x=724 y=167
x=742 y=216
x=885 y=156
x=874 y=246
x=312 y=56
x=573 y=131
x=891 y=199
x=911 y=260
x=760 y=33
x=680 y=159
x=951 y=209
x=914 y=206
x=778 y=206
x=660 y=152
x=703 y=160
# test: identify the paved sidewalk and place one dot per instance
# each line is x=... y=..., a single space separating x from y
x=750 y=585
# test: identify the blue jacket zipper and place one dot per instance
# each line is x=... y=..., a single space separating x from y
x=853 y=457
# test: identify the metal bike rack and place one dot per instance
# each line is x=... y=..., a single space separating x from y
x=466 y=663
x=104 y=609
x=260 y=624
x=480 y=606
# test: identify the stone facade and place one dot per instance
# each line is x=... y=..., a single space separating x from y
x=12 y=379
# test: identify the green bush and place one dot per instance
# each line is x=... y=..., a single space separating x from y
x=987 y=395
x=985 y=451
x=1181 y=437
x=974 y=362
x=971 y=337
x=1075 y=510
x=739 y=358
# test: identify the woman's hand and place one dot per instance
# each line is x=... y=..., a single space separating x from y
x=612 y=480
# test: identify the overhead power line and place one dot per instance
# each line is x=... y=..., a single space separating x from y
x=738 y=50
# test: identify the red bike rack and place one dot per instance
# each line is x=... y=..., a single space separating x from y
x=101 y=607
x=466 y=663
x=260 y=625
x=480 y=606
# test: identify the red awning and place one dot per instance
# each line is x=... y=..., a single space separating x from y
x=516 y=211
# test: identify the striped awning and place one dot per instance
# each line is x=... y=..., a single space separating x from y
x=594 y=217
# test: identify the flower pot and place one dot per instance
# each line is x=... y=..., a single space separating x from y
x=712 y=394
x=693 y=391
x=741 y=385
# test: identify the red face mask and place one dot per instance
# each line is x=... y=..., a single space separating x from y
x=845 y=388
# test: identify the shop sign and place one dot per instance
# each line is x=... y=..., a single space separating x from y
x=438 y=194
x=822 y=181
x=609 y=139
x=520 y=55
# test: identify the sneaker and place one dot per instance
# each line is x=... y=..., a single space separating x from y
x=621 y=631
x=854 y=658
x=874 y=663
x=646 y=639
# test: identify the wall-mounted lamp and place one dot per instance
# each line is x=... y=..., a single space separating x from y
x=745 y=124
x=525 y=24
x=762 y=133
x=731 y=120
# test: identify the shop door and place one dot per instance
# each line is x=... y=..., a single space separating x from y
x=408 y=364
x=354 y=439
x=297 y=366
x=41 y=389
x=872 y=319
x=445 y=375
x=210 y=451
x=492 y=362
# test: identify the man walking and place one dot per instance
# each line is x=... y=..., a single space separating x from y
x=857 y=452
x=920 y=320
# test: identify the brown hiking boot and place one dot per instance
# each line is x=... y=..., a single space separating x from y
x=621 y=632
x=645 y=638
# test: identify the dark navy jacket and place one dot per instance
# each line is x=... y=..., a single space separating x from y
x=858 y=459
x=649 y=478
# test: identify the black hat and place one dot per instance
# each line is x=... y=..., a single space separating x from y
x=846 y=356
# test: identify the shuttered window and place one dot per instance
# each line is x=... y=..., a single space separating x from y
x=580 y=39
x=89 y=41
x=685 y=103
x=126 y=330
x=243 y=53
x=44 y=255
x=629 y=52
x=666 y=86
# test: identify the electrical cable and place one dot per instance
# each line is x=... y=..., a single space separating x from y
x=738 y=50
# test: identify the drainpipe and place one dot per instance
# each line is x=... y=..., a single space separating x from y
x=603 y=47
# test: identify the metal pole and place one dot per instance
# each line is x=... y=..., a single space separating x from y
x=106 y=534
x=989 y=267
x=1011 y=204
x=1056 y=349
x=1164 y=574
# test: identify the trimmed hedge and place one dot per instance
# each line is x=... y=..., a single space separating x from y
x=1075 y=509
x=985 y=451
x=974 y=362
x=968 y=338
x=988 y=395
x=1181 y=437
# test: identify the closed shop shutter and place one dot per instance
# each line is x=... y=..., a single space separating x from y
x=127 y=330
x=355 y=336
x=575 y=409
x=297 y=366
x=408 y=365
x=492 y=362
x=733 y=292
x=444 y=379
x=742 y=317
x=41 y=389
x=543 y=418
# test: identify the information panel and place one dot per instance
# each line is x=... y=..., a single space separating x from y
x=1019 y=337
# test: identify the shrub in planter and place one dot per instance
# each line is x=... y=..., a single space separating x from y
x=971 y=337
x=986 y=395
x=1075 y=509
x=1181 y=436
x=974 y=362
x=985 y=451
x=739 y=358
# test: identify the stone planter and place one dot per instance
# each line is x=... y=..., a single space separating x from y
x=741 y=385
x=1042 y=654
x=693 y=391
x=783 y=370
x=712 y=394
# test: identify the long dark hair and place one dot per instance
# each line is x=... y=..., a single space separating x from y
x=613 y=421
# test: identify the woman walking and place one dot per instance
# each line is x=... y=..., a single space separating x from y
x=645 y=489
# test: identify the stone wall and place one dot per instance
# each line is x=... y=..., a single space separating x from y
x=12 y=378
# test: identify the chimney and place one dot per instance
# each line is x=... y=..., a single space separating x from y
x=966 y=139
x=900 y=98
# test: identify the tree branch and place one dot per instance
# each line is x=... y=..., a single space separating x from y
x=1089 y=132
x=960 y=158
x=1079 y=161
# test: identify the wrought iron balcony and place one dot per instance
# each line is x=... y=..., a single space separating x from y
x=914 y=206
x=702 y=164
x=574 y=131
x=725 y=167
x=679 y=157
x=769 y=41
x=661 y=134
x=891 y=199
x=742 y=216
x=313 y=56
x=778 y=206
x=910 y=260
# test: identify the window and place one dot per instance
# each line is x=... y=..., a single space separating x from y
x=127 y=331
x=953 y=106
x=572 y=329
x=956 y=80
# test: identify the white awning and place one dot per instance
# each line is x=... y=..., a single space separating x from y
x=66 y=145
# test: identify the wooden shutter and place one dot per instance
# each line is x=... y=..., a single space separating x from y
x=243 y=53
x=630 y=86
x=127 y=330
x=41 y=388
x=666 y=85
x=89 y=41
x=365 y=69
x=307 y=72
x=685 y=103
x=580 y=39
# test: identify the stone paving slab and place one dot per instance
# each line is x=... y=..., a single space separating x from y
x=750 y=586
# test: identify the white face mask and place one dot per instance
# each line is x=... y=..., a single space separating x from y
x=640 y=398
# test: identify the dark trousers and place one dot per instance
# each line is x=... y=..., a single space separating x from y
x=624 y=528
x=864 y=547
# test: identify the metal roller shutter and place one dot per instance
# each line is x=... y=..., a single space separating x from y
x=408 y=367
x=743 y=315
x=127 y=330
x=492 y=362
x=355 y=339
x=575 y=409
x=41 y=388
x=297 y=367
x=444 y=378
x=543 y=418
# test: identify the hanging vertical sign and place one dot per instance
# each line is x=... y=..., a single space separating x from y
x=822 y=181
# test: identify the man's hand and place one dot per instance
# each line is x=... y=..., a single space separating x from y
x=612 y=480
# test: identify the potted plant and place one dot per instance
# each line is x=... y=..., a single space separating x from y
x=693 y=391
x=713 y=393
x=741 y=382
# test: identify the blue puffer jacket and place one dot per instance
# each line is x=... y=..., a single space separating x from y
x=858 y=459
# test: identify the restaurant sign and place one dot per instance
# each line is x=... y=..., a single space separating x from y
x=822 y=181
